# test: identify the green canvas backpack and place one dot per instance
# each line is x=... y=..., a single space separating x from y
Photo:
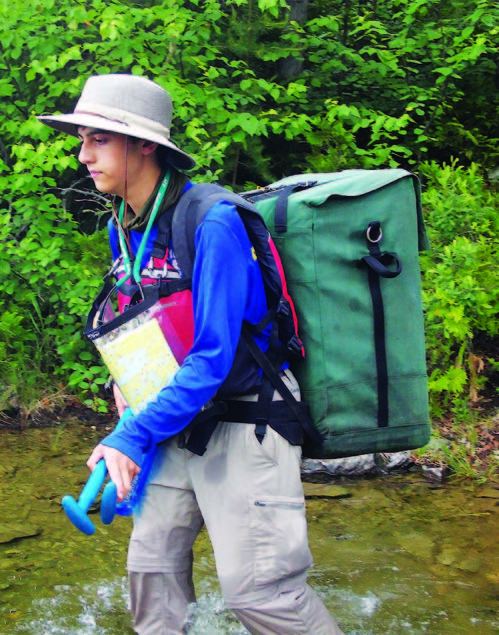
x=349 y=244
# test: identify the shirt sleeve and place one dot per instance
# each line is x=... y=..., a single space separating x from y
x=220 y=290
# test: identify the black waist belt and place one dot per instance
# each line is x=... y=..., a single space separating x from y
x=281 y=419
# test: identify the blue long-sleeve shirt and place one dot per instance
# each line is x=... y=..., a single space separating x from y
x=227 y=288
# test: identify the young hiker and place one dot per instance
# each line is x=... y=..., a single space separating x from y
x=245 y=487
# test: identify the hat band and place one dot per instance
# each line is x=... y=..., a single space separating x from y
x=129 y=119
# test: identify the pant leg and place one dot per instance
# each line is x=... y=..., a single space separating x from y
x=251 y=498
x=159 y=602
x=160 y=550
x=298 y=612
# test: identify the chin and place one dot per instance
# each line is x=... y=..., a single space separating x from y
x=106 y=189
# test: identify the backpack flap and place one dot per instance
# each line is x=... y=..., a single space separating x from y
x=317 y=189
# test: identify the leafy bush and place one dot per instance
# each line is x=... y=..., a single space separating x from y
x=50 y=273
x=461 y=294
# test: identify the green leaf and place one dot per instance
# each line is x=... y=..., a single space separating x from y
x=4 y=268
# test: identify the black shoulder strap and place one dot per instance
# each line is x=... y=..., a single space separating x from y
x=160 y=245
x=190 y=212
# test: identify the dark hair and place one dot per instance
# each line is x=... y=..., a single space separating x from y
x=163 y=155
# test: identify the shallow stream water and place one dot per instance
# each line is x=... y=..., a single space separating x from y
x=392 y=555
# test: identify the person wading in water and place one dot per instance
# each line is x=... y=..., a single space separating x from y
x=245 y=487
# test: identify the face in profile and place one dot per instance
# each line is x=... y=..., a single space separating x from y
x=113 y=160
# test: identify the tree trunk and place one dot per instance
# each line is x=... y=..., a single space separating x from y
x=292 y=66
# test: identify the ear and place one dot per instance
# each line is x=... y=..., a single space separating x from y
x=148 y=147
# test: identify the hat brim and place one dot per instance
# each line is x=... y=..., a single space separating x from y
x=71 y=122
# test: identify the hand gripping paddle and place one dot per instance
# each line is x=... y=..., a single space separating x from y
x=77 y=511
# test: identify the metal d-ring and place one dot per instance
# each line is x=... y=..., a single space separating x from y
x=368 y=233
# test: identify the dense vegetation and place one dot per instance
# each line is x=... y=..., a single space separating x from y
x=260 y=91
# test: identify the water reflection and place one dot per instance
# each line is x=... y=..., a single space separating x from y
x=392 y=555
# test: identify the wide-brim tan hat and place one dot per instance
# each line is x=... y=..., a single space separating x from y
x=127 y=104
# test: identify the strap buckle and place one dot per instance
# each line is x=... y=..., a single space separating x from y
x=295 y=346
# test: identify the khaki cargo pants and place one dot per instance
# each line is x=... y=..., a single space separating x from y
x=249 y=496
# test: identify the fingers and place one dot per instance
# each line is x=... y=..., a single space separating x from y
x=122 y=469
x=120 y=477
x=115 y=474
x=95 y=457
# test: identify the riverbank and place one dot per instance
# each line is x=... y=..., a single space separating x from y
x=467 y=450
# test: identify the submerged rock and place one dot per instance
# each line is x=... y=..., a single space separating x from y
x=488 y=492
x=417 y=544
x=325 y=491
x=362 y=465
x=434 y=474
x=449 y=556
x=17 y=531
x=351 y=466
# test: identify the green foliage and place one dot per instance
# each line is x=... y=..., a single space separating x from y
x=429 y=65
x=49 y=274
x=375 y=84
x=381 y=83
x=461 y=294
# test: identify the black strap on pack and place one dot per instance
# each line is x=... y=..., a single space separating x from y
x=203 y=426
x=380 y=265
x=160 y=245
x=281 y=418
x=266 y=392
x=295 y=406
x=281 y=207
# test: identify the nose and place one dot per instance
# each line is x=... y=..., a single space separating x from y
x=84 y=156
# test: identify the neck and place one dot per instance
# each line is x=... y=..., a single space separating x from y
x=142 y=187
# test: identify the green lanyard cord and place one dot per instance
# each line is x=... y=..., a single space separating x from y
x=134 y=271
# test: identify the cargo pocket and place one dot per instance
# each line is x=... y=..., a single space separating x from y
x=278 y=529
x=145 y=551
